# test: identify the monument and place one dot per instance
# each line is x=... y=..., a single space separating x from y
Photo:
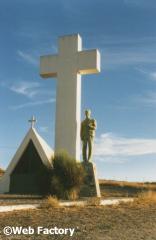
x=88 y=127
x=87 y=133
x=68 y=66
x=34 y=154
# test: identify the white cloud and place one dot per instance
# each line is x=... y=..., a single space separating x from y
x=150 y=74
x=112 y=146
x=27 y=57
x=43 y=129
x=153 y=75
x=118 y=40
x=141 y=3
x=112 y=159
x=118 y=51
x=149 y=99
x=32 y=90
x=28 y=89
x=32 y=104
x=115 y=58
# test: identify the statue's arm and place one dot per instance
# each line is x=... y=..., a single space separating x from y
x=93 y=125
x=81 y=131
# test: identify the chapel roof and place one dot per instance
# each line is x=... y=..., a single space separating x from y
x=44 y=150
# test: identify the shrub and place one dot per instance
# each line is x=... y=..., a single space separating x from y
x=68 y=176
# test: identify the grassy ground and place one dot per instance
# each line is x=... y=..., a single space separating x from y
x=116 y=189
x=131 y=221
x=109 y=189
x=123 y=222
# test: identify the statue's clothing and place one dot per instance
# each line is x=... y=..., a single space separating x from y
x=88 y=127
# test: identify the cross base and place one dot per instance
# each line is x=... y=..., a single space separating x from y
x=91 y=186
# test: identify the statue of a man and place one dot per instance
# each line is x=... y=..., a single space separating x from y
x=88 y=127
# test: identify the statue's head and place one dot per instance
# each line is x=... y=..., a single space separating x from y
x=87 y=113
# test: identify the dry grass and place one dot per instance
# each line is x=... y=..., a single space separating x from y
x=134 y=220
x=147 y=197
x=72 y=195
x=92 y=223
x=110 y=188
x=93 y=201
x=50 y=202
x=147 y=185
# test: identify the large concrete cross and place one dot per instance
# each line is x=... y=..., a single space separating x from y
x=68 y=66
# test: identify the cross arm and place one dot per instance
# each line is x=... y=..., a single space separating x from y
x=89 y=62
x=48 y=66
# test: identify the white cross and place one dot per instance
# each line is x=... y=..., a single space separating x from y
x=68 y=66
x=32 y=121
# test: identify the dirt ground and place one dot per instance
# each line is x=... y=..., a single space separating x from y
x=130 y=221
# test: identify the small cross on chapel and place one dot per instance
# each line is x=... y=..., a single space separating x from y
x=32 y=121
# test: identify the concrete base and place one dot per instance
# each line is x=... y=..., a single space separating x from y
x=106 y=202
x=91 y=186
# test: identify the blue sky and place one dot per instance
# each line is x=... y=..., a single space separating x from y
x=122 y=97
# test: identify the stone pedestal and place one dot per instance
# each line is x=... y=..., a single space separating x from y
x=90 y=187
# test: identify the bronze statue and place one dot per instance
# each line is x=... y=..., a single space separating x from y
x=88 y=127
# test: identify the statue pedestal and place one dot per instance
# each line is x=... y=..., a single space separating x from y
x=90 y=187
